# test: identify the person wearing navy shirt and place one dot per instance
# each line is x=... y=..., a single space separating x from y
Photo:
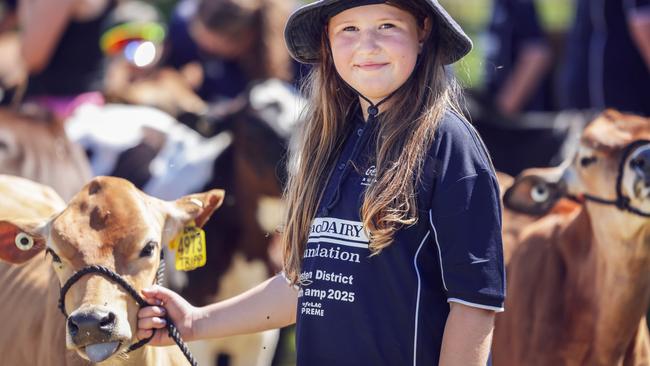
x=231 y=42
x=607 y=58
x=455 y=246
x=517 y=58
x=392 y=235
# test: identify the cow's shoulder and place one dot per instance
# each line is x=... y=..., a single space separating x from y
x=553 y=241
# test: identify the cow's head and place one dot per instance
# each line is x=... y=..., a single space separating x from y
x=610 y=170
x=112 y=224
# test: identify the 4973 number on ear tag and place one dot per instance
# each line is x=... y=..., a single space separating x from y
x=190 y=250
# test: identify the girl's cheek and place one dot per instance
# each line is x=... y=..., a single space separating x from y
x=404 y=47
x=343 y=44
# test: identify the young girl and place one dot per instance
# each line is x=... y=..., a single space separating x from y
x=392 y=240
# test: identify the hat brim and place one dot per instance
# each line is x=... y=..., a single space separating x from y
x=304 y=30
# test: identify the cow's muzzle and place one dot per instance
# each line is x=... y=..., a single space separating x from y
x=95 y=326
x=98 y=352
x=638 y=155
x=93 y=331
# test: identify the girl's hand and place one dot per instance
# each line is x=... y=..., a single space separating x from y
x=165 y=303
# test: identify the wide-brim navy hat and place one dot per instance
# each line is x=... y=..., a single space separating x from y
x=305 y=28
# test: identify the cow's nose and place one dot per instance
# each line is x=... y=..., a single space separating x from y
x=640 y=163
x=92 y=326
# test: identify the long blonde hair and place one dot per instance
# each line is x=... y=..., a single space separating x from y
x=405 y=134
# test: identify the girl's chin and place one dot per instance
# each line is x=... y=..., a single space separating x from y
x=374 y=86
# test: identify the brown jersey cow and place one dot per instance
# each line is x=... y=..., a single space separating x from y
x=108 y=223
x=579 y=278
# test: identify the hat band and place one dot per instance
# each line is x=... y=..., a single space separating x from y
x=329 y=11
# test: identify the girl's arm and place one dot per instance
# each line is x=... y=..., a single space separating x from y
x=526 y=76
x=42 y=23
x=467 y=337
x=269 y=305
x=639 y=23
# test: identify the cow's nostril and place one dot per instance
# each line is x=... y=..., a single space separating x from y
x=94 y=326
x=108 y=321
x=72 y=328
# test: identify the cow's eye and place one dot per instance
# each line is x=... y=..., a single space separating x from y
x=55 y=257
x=148 y=250
x=540 y=193
x=588 y=160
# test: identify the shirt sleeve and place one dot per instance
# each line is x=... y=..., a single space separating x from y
x=465 y=217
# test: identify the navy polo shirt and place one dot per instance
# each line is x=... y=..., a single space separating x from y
x=391 y=309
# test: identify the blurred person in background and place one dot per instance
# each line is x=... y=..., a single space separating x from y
x=223 y=45
x=61 y=51
x=517 y=65
x=607 y=62
x=8 y=16
x=517 y=59
x=11 y=72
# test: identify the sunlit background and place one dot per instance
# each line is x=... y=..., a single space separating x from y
x=473 y=16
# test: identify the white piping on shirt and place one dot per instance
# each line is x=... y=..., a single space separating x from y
x=417 y=301
x=474 y=305
x=435 y=235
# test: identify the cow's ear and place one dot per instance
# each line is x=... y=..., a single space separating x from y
x=533 y=195
x=195 y=208
x=20 y=241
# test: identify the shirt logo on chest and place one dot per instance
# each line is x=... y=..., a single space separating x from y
x=338 y=231
x=370 y=176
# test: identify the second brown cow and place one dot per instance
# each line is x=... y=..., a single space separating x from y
x=579 y=279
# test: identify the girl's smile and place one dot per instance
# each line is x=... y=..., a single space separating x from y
x=371 y=66
x=375 y=48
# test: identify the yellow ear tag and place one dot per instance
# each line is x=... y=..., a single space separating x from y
x=190 y=248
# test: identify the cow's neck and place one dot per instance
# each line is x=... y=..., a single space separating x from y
x=615 y=275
